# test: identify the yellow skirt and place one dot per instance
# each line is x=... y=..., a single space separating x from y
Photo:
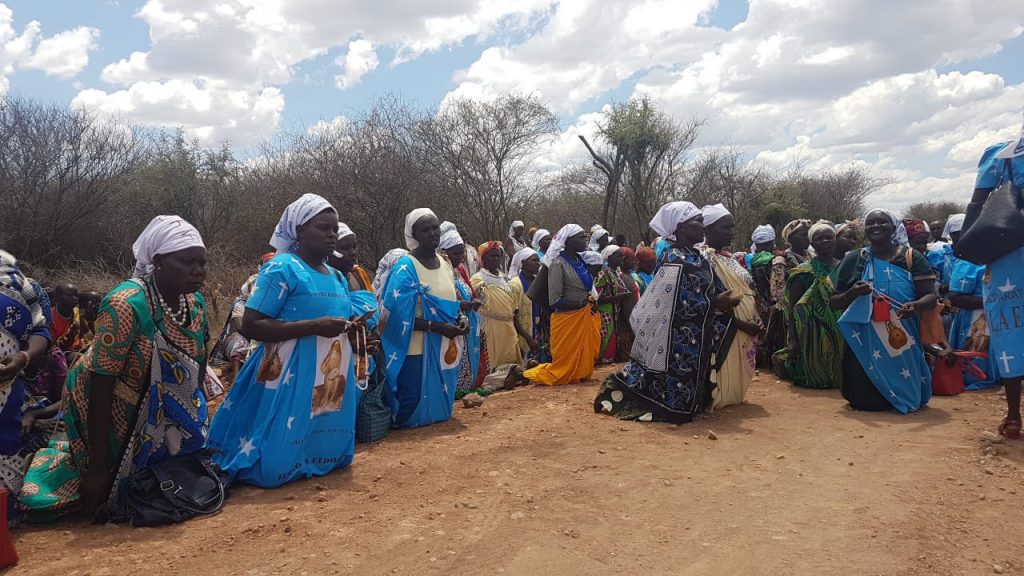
x=575 y=344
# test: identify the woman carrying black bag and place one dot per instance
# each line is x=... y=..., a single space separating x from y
x=993 y=234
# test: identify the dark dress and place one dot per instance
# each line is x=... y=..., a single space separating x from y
x=668 y=376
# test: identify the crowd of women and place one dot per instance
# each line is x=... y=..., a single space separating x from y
x=329 y=353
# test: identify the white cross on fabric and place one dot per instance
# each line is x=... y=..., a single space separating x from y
x=1006 y=361
x=392 y=358
x=856 y=336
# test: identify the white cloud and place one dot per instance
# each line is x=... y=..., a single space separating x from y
x=881 y=84
x=201 y=111
x=241 y=47
x=64 y=54
x=360 y=59
x=328 y=127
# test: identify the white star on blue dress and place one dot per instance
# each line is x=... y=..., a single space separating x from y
x=245 y=446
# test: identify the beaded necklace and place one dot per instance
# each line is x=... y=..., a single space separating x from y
x=184 y=313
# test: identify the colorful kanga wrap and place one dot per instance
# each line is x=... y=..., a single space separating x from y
x=469 y=364
x=608 y=283
x=162 y=402
x=21 y=317
x=678 y=335
x=817 y=361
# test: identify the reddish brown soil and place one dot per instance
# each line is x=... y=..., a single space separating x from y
x=534 y=482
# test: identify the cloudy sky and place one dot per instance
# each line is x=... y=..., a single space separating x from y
x=914 y=89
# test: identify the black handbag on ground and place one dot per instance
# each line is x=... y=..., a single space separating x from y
x=996 y=227
x=177 y=489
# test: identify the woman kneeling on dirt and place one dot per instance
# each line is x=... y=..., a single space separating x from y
x=882 y=289
x=122 y=415
x=668 y=378
x=291 y=413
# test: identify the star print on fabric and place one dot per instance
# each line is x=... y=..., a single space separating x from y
x=245 y=446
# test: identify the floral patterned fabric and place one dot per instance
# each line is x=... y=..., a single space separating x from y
x=696 y=335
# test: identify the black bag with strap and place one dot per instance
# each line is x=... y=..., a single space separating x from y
x=993 y=226
x=174 y=490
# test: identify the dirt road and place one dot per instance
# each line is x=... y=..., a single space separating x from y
x=535 y=483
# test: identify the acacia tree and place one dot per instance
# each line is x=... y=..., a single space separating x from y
x=481 y=155
x=646 y=156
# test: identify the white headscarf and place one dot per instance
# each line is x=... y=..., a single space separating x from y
x=412 y=218
x=538 y=236
x=163 y=235
x=512 y=227
x=380 y=279
x=672 y=215
x=558 y=242
x=285 y=238
x=596 y=232
x=714 y=213
x=591 y=258
x=450 y=236
x=608 y=251
x=763 y=233
x=899 y=235
x=820 y=225
x=955 y=223
x=343 y=232
x=517 y=261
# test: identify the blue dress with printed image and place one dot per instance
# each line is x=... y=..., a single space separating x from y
x=291 y=412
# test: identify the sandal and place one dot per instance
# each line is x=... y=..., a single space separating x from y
x=1010 y=429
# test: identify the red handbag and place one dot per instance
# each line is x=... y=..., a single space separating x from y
x=948 y=374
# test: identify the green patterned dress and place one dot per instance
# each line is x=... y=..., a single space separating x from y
x=123 y=348
x=818 y=358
